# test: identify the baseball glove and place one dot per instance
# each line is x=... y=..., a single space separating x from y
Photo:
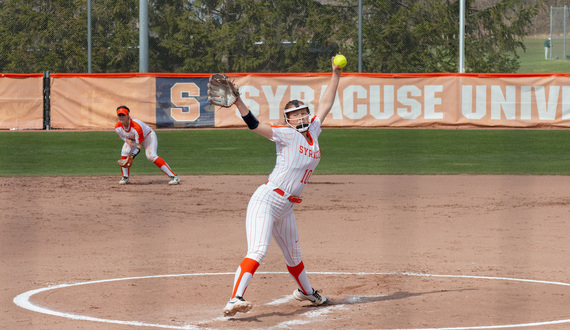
x=222 y=91
x=127 y=162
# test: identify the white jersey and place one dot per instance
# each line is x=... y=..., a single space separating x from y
x=297 y=157
x=138 y=131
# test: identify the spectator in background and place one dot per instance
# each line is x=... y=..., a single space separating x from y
x=546 y=48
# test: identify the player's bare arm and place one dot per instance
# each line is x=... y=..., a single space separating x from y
x=327 y=101
x=261 y=128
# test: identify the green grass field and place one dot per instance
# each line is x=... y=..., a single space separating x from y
x=344 y=151
x=532 y=61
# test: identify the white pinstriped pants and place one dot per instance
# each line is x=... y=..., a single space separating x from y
x=270 y=214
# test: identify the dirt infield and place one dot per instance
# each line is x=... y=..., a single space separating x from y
x=392 y=252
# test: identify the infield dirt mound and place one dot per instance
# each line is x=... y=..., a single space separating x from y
x=57 y=230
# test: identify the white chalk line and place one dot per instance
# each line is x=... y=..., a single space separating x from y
x=23 y=300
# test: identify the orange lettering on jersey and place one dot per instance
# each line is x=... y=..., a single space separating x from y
x=308 y=152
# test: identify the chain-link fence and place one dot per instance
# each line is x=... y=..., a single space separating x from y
x=559 y=27
x=195 y=36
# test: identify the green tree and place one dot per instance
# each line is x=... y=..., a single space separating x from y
x=262 y=35
x=495 y=35
x=423 y=36
x=51 y=36
x=115 y=36
x=245 y=35
x=178 y=37
x=42 y=36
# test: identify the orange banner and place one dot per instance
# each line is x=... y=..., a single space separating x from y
x=422 y=101
x=90 y=102
x=21 y=102
x=82 y=101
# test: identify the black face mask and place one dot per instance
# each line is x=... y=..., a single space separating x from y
x=300 y=127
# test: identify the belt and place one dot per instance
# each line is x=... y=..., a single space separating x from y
x=291 y=198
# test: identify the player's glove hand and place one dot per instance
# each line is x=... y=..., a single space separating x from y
x=127 y=162
x=222 y=91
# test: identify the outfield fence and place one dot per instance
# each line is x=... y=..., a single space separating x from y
x=88 y=101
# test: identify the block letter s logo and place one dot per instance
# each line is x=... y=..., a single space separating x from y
x=183 y=97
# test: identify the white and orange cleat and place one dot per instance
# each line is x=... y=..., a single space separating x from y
x=316 y=298
x=235 y=305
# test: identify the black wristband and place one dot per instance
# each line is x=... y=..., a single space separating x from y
x=250 y=120
x=135 y=152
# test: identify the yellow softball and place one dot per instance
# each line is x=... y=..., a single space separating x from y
x=339 y=60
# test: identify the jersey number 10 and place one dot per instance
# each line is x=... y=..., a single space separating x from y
x=306 y=176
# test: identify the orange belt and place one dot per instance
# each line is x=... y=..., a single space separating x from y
x=291 y=198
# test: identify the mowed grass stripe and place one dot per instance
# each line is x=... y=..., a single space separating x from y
x=344 y=151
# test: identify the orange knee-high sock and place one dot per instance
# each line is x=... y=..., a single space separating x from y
x=243 y=276
x=164 y=167
x=300 y=276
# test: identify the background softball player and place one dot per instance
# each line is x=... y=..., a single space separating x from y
x=270 y=209
x=136 y=135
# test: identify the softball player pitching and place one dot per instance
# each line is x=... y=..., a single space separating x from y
x=270 y=209
x=136 y=135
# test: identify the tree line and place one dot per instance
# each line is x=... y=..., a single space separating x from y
x=195 y=36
